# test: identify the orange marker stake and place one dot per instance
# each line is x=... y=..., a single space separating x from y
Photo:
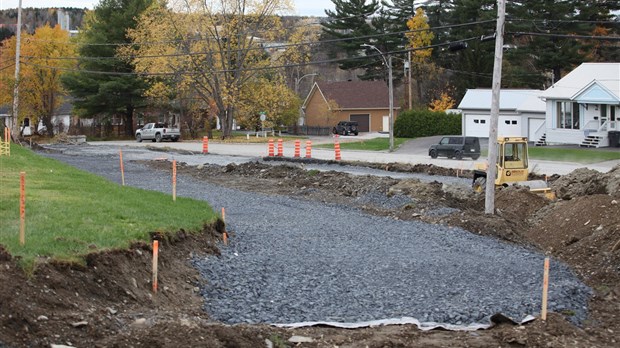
x=297 y=148
x=270 y=148
x=174 y=180
x=225 y=234
x=155 y=257
x=337 y=148
x=22 y=208
x=543 y=312
x=308 y=149
x=205 y=144
x=120 y=151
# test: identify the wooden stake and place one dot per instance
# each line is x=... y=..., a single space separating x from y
x=543 y=312
x=22 y=208
x=120 y=151
x=224 y=234
x=155 y=257
x=174 y=180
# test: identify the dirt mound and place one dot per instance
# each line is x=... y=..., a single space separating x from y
x=585 y=232
x=583 y=182
x=64 y=303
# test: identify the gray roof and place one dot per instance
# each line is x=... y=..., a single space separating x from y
x=606 y=75
x=509 y=99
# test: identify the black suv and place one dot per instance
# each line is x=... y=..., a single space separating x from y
x=456 y=147
x=346 y=128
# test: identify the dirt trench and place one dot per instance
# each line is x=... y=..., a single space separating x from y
x=109 y=302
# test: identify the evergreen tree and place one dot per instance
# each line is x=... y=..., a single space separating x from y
x=106 y=85
x=350 y=23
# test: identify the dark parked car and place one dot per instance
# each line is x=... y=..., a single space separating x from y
x=456 y=147
x=346 y=128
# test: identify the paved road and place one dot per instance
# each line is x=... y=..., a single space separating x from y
x=414 y=152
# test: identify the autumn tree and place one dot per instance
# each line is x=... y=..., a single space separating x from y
x=214 y=47
x=271 y=95
x=105 y=84
x=299 y=50
x=419 y=37
x=40 y=89
x=443 y=103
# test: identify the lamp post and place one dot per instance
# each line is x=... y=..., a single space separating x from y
x=297 y=81
x=388 y=63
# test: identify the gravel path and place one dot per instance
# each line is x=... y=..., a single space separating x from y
x=295 y=261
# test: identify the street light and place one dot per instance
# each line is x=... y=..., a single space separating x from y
x=388 y=62
x=301 y=111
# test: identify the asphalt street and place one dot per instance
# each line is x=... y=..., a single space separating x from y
x=413 y=152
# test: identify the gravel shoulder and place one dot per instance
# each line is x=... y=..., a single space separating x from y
x=411 y=240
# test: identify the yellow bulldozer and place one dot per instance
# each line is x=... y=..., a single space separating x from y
x=512 y=168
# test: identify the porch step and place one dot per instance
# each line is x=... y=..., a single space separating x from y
x=591 y=141
x=542 y=141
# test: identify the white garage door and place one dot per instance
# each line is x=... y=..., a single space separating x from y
x=509 y=126
x=477 y=126
x=535 y=123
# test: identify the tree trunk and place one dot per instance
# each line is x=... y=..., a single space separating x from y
x=47 y=122
x=129 y=121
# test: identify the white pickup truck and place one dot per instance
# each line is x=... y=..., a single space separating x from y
x=157 y=132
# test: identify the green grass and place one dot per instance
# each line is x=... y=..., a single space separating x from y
x=375 y=144
x=573 y=155
x=69 y=211
x=584 y=156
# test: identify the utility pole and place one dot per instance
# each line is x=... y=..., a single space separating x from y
x=391 y=93
x=489 y=199
x=15 y=125
x=388 y=62
x=409 y=79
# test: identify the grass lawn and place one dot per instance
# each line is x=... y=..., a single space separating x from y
x=69 y=212
x=584 y=156
x=375 y=144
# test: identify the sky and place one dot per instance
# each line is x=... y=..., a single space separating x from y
x=302 y=7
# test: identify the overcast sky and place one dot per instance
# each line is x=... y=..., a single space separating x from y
x=302 y=7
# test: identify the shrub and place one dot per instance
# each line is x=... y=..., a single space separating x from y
x=424 y=123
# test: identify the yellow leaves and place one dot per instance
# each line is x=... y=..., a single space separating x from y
x=42 y=66
x=444 y=103
x=420 y=36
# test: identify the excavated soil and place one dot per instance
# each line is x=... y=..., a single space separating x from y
x=108 y=302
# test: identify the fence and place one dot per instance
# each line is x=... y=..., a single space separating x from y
x=306 y=130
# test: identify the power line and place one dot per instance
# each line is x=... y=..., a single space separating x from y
x=282 y=46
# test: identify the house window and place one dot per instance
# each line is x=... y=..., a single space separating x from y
x=514 y=121
x=483 y=121
x=476 y=121
x=567 y=115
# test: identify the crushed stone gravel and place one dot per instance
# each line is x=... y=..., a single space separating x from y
x=293 y=260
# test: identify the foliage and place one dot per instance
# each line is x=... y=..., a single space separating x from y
x=106 y=85
x=69 y=211
x=207 y=48
x=40 y=89
x=424 y=123
x=352 y=20
x=419 y=36
x=444 y=103
x=273 y=97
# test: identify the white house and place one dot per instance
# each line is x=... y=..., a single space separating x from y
x=583 y=106
x=521 y=113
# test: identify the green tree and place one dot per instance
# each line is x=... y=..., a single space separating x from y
x=350 y=24
x=106 y=84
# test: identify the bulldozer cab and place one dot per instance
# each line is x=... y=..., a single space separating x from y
x=512 y=160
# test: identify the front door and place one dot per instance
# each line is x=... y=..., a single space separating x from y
x=386 y=123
